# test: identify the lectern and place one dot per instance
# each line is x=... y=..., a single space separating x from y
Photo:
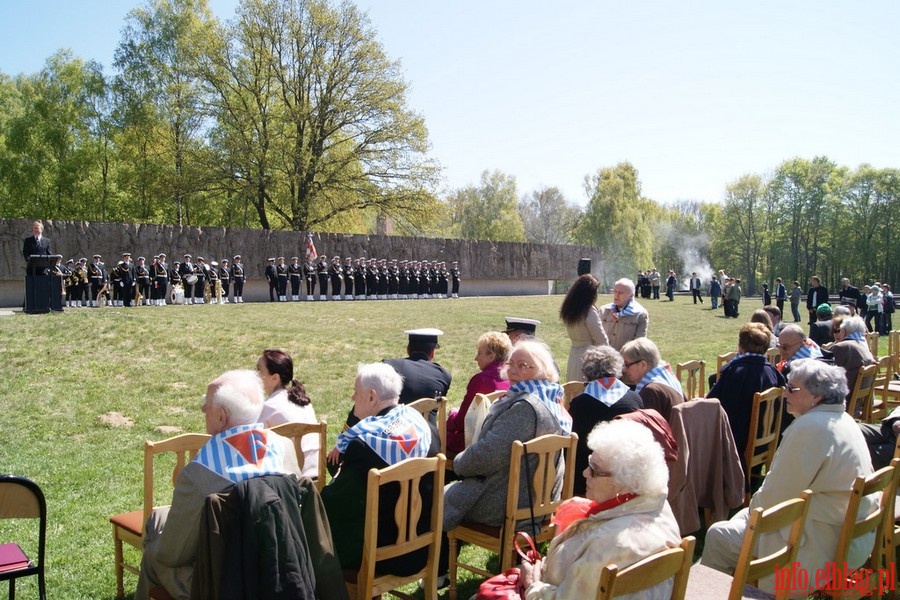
x=43 y=289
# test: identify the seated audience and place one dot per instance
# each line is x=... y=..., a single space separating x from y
x=653 y=379
x=241 y=448
x=386 y=433
x=605 y=396
x=624 y=519
x=823 y=450
x=582 y=320
x=795 y=345
x=491 y=352
x=530 y=409
x=287 y=402
x=851 y=350
x=762 y=317
x=749 y=372
x=775 y=317
x=820 y=331
x=624 y=319
x=882 y=439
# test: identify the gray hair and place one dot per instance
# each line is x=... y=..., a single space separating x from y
x=382 y=378
x=794 y=330
x=626 y=283
x=642 y=348
x=632 y=455
x=853 y=325
x=840 y=309
x=240 y=393
x=542 y=358
x=821 y=379
x=601 y=361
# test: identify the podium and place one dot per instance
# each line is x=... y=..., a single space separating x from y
x=43 y=290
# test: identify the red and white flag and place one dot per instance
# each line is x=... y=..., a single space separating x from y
x=311 y=253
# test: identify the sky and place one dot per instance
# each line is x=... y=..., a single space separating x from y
x=694 y=94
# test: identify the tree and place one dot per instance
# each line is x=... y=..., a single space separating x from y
x=489 y=211
x=548 y=217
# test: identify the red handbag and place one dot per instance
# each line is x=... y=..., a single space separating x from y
x=508 y=585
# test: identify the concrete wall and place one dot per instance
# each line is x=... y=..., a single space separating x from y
x=487 y=268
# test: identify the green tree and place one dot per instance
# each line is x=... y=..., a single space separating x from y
x=548 y=217
x=489 y=211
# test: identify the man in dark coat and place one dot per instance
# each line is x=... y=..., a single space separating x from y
x=422 y=377
x=817 y=294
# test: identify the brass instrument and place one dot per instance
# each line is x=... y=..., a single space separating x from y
x=207 y=294
x=101 y=295
x=137 y=295
x=218 y=291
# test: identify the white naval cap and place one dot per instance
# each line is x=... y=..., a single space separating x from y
x=425 y=335
x=521 y=324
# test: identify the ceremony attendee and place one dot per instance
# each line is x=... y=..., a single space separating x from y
x=762 y=317
x=581 y=317
x=519 y=328
x=766 y=295
x=625 y=517
x=240 y=449
x=238 y=277
x=796 y=294
x=874 y=308
x=491 y=352
x=882 y=439
x=605 y=397
x=142 y=280
x=160 y=275
x=98 y=278
x=287 y=402
x=624 y=319
x=887 y=318
x=654 y=283
x=824 y=451
x=422 y=377
x=695 y=288
x=295 y=273
x=775 y=318
x=186 y=271
x=733 y=293
x=322 y=276
x=272 y=278
x=780 y=294
x=816 y=295
x=715 y=291
x=309 y=274
x=849 y=295
x=671 y=284
x=224 y=279
x=749 y=372
x=820 y=331
x=794 y=345
x=36 y=243
x=653 y=379
x=281 y=272
x=336 y=277
x=454 y=279
x=125 y=279
x=850 y=349
x=385 y=432
x=349 y=278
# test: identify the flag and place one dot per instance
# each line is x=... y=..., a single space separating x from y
x=311 y=253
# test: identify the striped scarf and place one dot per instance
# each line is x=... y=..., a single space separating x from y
x=551 y=395
x=809 y=349
x=242 y=453
x=401 y=433
x=607 y=390
x=856 y=337
x=660 y=374
x=632 y=308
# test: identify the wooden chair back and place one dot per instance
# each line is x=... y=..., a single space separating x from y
x=878 y=407
x=891 y=527
x=774 y=356
x=765 y=429
x=861 y=396
x=571 y=389
x=722 y=360
x=407 y=514
x=545 y=451
x=651 y=571
x=894 y=349
x=21 y=498
x=496 y=395
x=872 y=341
x=750 y=568
x=695 y=385
x=427 y=406
x=883 y=482
x=296 y=432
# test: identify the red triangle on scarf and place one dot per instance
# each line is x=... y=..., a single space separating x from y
x=251 y=445
x=406 y=440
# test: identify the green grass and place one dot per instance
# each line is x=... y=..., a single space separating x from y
x=60 y=372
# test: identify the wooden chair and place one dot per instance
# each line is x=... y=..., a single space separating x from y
x=892 y=527
x=21 y=498
x=695 y=385
x=861 y=397
x=651 y=571
x=894 y=349
x=496 y=395
x=427 y=406
x=765 y=429
x=872 y=341
x=878 y=406
x=774 y=356
x=705 y=582
x=296 y=432
x=129 y=527
x=883 y=481
x=571 y=389
x=722 y=360
x=499 y=540
x=364 y=583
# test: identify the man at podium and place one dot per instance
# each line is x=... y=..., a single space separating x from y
x=36 y=243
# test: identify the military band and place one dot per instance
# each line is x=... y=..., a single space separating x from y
x=237 y=276
x=295 y=271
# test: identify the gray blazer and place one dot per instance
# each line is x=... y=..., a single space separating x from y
x=480 y=495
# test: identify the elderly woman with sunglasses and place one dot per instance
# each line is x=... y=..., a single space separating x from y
x=624 y=518
x=850 y=349
x=822 y=450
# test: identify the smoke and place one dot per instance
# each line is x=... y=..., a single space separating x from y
x=688 y=248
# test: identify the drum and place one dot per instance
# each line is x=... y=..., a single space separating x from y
x=176 y=296
x=190 y=279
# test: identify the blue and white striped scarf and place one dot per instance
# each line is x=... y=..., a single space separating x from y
x=607 y=390
x=855 y=336
x=809 y=349
x=660 y=374
x=242 y=452
x=632 y=308
x=401 y=433
x=551 y=395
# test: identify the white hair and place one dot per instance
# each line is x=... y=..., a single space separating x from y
x=632 y=455
x=625 y=282
x=853 y=325
x=240 y=393
x=382 y=378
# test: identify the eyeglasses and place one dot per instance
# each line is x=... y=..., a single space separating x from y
x=628 y=365
x=519 y=366
x=595 y=472
x=791 y=390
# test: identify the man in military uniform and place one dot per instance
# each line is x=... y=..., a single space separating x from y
x=67 y=272
x=160 y=274
x=212 y=281
x=97 y=277
x=322 y=275
x=237 y=275
x=125 y=271
x=442 y=279
x=348 y=278
x=84 y=284
x=200 y=270
x=272 y=278
x=142 y=280
x=309 y=274
x=372 y=280
x=422 y=377
x=359 y=277
x=518 y=328
x=281 y=271
x=393 y=288
x=454 y=279
x=186 y=269
x=295 y=271
x=336 y=275
x=224 y=279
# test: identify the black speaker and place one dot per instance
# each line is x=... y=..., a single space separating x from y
x=584 y=266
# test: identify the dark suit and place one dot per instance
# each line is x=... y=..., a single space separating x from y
x=421 y=377
x=820 y=332
x=34 y=246
x=814 y=297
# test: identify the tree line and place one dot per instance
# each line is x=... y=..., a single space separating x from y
x=291 y=115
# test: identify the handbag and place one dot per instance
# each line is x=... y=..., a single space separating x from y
x=508 y=585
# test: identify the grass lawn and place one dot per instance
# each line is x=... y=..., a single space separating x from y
x=61 y=372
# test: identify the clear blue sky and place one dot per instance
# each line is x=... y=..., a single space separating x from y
x=693 y=93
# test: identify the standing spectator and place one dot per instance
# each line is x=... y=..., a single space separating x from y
x=766 y=295
x=582 y=320
x=715 y=290
x=624 y=319
x=874 y=308
x=654 y=283
x=816 y=295
x=695 y=288
x=849 y=295
x=671 y=282
x=780 y=294
x=887 y=318
x=796 y=293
